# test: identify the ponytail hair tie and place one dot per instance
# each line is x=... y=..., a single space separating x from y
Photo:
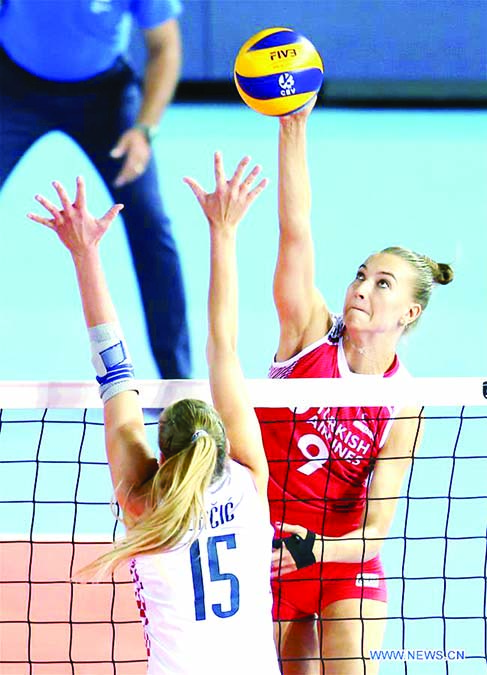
x=198 y=433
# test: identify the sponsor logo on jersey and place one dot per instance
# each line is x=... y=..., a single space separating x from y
x=333 y=437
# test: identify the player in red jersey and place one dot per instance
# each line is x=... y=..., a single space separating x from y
x=333 y=487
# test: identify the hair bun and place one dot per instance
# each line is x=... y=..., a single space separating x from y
x=443 y=274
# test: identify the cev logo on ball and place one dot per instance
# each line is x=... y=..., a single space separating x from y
x=286 y=83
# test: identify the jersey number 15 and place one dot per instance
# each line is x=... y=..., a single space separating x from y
x=215 y=575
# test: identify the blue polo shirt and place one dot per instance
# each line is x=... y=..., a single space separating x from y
x=69 y=40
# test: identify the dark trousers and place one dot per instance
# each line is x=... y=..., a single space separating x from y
x=95 y=113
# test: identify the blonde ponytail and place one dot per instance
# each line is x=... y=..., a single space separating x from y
x=177 y=499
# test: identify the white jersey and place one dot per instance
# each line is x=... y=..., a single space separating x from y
x=206 y=606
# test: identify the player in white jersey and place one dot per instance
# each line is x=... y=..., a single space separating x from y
x=198 y=529
x=214 y=591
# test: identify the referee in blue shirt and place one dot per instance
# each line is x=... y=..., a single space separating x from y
x=62 y=67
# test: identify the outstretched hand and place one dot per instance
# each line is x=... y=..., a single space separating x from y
x=227 y=205
x=73 y=223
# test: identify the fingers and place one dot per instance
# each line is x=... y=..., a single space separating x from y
x=63 y=196
x=219 y=170
x=80 y=199
x=300 y=115
x=120 y=149
x=291 y=529
x=236 y=179
x=258 y=189
x=198 y=191
x=59 y=214
x=111 y=214
x=246 y=184
x=71 y=216
x=130 y=171
x=48 y=205
x=252 y=175
x=230 y=200
x=282 y=563
x=42 y=221
x=237 y=176
x=133 y=146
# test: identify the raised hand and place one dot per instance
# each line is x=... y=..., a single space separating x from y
x=298 y=117
x=73 y=223
x=227 y=205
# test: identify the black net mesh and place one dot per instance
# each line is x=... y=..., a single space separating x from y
x=55 y=516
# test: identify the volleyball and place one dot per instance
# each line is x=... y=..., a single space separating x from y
x=278 y=71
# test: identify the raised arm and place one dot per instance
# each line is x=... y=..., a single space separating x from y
x=132 y=464
x=224 y=209
x=303 y=315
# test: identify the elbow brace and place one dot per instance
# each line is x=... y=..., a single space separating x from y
x=111 y=359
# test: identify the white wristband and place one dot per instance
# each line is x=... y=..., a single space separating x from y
x=111 y=359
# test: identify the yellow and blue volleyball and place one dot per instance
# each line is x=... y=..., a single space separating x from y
x=278 y=71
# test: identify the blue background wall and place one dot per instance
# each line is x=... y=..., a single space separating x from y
x=398 y=39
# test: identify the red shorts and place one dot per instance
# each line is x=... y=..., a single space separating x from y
x=309 y=590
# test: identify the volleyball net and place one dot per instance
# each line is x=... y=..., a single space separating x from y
x=56 y=516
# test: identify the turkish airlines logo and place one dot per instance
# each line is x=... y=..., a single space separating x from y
x=333 y=436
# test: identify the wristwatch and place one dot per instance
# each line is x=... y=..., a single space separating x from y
x=150 y=132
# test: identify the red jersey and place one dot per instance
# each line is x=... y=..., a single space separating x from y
x=320 y=459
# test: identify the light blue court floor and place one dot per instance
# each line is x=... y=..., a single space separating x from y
x=379 y=178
